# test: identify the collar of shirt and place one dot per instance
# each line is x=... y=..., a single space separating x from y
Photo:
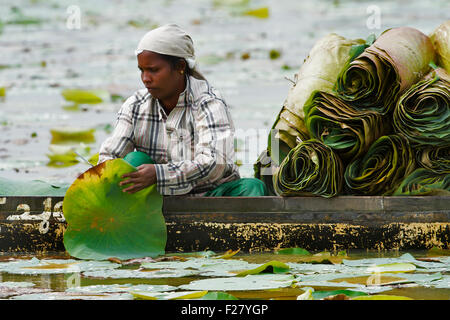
x=184 y=99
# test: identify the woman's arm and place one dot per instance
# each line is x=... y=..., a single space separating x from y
x=121 y=142
x=214 y=151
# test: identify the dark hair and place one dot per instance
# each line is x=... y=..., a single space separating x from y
x=173 y=61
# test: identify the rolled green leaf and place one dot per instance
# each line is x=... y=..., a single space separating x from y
x=423 y=112
x=435 y=159
x=348 y=131
x=263 y=170
x=396 y=60
x=441 y=42
x=424 y=182
x=311 y=168
x=319 y=72
x=381 y=170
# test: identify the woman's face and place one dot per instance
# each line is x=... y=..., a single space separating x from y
x=158 y=76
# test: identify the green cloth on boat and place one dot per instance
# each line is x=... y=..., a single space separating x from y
x=244 y=187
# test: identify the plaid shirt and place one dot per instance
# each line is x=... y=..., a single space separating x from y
x=193 y=146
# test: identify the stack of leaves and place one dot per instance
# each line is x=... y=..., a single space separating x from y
x=318 y=72
x=382 y=168
x=337 y=124
x=377 y=77
x=311 y=168
x=382 y=106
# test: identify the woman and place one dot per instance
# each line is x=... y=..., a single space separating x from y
x=177 y=131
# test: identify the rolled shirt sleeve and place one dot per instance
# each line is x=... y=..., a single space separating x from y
x=121 y=141
x=213 y=151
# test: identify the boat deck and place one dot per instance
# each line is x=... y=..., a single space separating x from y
x=36 y=224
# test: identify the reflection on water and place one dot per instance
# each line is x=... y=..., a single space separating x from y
x=47 y=46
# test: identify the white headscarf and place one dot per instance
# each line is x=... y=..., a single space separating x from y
x=171 y=40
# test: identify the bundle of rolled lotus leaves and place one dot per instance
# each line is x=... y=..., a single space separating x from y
x=310 y=168
x=381 y=110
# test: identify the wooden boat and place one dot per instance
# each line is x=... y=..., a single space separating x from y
x=36 y=224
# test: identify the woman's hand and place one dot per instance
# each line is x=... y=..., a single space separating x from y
x=144 y=177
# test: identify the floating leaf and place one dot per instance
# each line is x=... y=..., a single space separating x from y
x=261 y=13
x=85 y=96
x=218 y=296
x=269 y=267
x=348 y=293
x=103 y=221
x=10 y=187
x=250 y=282
x=71 y=134
x=299 y=251
x=392 y=268
x=227 y=255
x=381 y=297
x=2 y=91
x=307 y=295
x=141 y=295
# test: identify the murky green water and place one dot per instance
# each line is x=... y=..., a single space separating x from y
x=429 y=281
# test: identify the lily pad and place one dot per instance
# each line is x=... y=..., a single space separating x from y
x=392 y=268
x=381 y=297
x=141 y=295
x=261 y=13
x=218 y=296
x=348 y=293
x=103 y=221
x=299 y=251
x=141 y=274
x=250 y=282
x=54 y=266
x=269 y=267
x=84 y=96
x=72 y=134
x=110 y=288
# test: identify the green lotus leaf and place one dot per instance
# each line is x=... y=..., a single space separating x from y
x=261 y=13
x=349 y=293
x=293 y=251
x=424 y=182
x=381 y=297
x=269 y=267
x=111 y=288
x=72 y=134
x=382 y=169
x=143 y=295
x=377 y=77
x=84 y=96
x=141 y=274
x=9 y=187
x=262 y=169
x=54 y=266
x=103 y=221
x=73 y=296
x=423 y=112
x=347 y=130
x=441 y=43
x=392 y=268
x=435 y=159
x=250 y=282
x=311 y=168
x=215 y=295
x=319 y=72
